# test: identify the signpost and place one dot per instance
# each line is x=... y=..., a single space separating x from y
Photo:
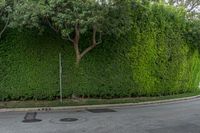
x=60 y=75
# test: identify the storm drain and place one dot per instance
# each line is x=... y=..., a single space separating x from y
x=30 y=117
x=68 y=119
x=101 y=110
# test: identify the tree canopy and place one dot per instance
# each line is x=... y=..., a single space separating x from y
x=191 y=6
x=72 y=18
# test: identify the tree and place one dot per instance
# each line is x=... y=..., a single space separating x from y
x=189 y=5
x=5 y=10
x=192 y=33
x=73 y=18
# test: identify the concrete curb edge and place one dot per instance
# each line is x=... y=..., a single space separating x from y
x=98 y=106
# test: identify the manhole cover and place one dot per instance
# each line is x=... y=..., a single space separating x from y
x=101 y=110
x=68 y=119
x=30 y=117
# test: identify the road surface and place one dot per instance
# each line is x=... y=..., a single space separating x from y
x=179 y=117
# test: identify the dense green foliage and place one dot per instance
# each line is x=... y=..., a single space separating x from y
x=156 y=58
x=158 y=37
x=192 y=34
x=73 y=18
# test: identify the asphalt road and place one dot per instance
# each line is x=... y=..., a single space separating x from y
x=179 y=117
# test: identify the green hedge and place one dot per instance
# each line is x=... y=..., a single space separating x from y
x=154 y=59
x=159 y=53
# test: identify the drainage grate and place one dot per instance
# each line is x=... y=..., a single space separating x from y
x=101 y=110
x=68 y=119
x=30 y=117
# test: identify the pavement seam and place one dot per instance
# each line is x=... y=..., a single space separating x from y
x=98 y=106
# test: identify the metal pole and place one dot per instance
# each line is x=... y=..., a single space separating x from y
x=60 y=74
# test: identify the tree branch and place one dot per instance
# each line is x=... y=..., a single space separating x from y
x=100 y=39
x=94 y=43
x=68 y=36
x=70 y=39
x=87 y=50
x=3 y=30
x=50 y=25
x=56 y=30
x=193 y=6
x=1 y=12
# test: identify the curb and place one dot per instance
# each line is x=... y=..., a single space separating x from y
x=64 y=108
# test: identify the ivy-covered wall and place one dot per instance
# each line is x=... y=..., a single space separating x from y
x=154 y=59
x=160 y=56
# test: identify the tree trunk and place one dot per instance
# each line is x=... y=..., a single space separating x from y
x=76 y=44
x=76 y=40
x=94 y=43
x=78 y=57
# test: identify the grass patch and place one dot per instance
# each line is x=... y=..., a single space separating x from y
x=79 y=102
